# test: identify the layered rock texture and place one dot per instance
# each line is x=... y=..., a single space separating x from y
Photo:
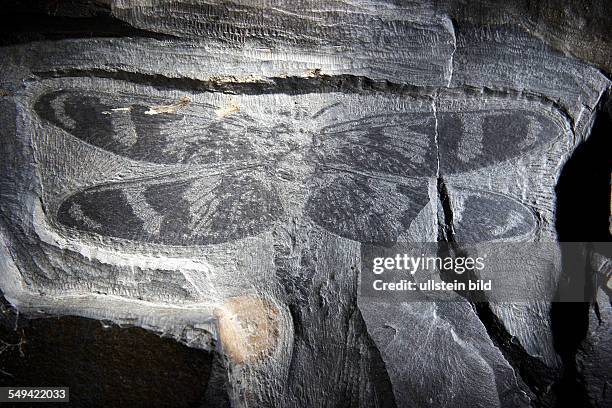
x=209 y=171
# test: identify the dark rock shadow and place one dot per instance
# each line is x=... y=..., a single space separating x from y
x=582 y=216
x=105 y=365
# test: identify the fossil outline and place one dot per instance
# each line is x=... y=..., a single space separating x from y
x=343 y=150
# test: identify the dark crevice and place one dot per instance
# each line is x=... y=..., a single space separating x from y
x=582 y=215
x=290 y=85
x=445 y=225
x=537 y=376
x=597 y=311
x=583 y=187
x=533 y=372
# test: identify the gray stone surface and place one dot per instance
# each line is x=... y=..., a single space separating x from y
x=215 y=185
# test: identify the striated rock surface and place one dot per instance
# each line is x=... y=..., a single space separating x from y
x=595 y=355
x=211 y=171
